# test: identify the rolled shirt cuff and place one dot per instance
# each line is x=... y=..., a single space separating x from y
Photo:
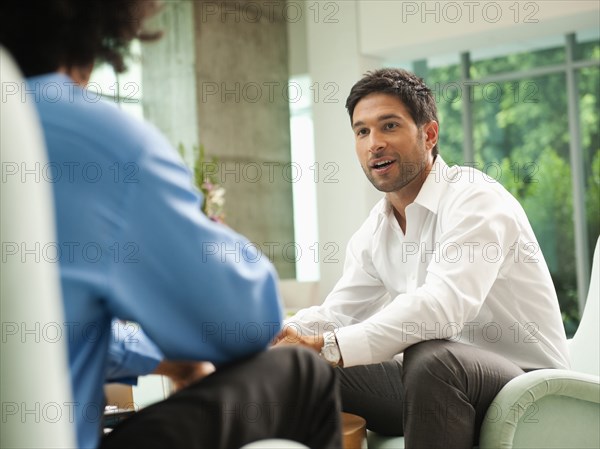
x=354 y=346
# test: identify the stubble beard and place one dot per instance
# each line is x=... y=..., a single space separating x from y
x=408 y=172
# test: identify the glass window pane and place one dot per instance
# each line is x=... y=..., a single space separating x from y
x=124 y=87
x=446 y=87
x=130 y=82
x=304 y=191
x=588 y=45
x=104 y=81
x=134 y=109
x=522 y=140
x=484 y=65
x=589 y=106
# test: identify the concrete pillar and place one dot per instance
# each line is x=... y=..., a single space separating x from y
x=241 y=80
x=169 y=76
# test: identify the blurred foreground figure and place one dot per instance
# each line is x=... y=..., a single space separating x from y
x=131 y=240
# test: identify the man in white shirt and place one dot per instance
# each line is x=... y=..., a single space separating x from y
x=445 y=295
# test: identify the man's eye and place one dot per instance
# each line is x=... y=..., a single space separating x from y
x=389 y=126
x=362 y=132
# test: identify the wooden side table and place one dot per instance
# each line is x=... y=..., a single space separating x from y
x=354 y=431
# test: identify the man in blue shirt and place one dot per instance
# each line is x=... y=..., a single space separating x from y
x=132 y=245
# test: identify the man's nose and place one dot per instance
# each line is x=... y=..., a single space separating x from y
x=376 y=142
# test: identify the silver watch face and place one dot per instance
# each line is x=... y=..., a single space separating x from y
x=331 y=353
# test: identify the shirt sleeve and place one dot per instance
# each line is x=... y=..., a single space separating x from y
x=454 y=288
x=198 y=289
x=130 y=353
x=358 y=294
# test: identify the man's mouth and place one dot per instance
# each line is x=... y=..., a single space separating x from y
x=381 y=164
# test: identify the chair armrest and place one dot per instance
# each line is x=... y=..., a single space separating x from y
x=548 y=408
x=274 y=444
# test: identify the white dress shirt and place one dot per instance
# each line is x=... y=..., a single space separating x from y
x=468 y=269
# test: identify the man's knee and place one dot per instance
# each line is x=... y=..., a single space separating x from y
x=431 y=359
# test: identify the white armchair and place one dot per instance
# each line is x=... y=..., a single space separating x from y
x=554 y=408
x=35 y=386
x=548 y=408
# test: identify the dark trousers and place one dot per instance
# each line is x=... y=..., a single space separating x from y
x=436 y=397
x=286 y=392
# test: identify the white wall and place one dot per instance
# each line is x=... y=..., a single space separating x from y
x=335 y=63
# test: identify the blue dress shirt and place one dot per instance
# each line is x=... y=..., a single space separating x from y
x=130 y=354
x=132 y=244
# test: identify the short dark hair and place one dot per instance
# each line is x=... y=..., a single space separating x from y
x=406 y=86
x=45 y=35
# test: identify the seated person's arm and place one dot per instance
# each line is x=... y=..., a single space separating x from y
x=451 y=295
x=132 y=354
x=198 y=289
x=453 y=290
x=356 y=296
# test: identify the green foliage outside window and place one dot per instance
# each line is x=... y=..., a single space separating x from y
x=521 y=138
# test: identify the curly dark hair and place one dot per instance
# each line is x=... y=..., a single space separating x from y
x=47 y=34
x=406 y=86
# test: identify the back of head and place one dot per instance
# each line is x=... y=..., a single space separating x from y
x=406 y=86
x=46 y=35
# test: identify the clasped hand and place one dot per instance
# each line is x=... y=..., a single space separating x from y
x=291 y=335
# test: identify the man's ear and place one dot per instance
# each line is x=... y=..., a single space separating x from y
x=430 y=134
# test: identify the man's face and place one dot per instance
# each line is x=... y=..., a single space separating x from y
x=391 y=149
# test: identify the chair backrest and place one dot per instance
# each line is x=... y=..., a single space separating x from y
x=35 y=389
x=585 y=345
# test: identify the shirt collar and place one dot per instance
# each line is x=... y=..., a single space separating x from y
x=434 y=186
x=430 y=193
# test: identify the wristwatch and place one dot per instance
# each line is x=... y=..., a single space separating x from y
x=330 y=350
